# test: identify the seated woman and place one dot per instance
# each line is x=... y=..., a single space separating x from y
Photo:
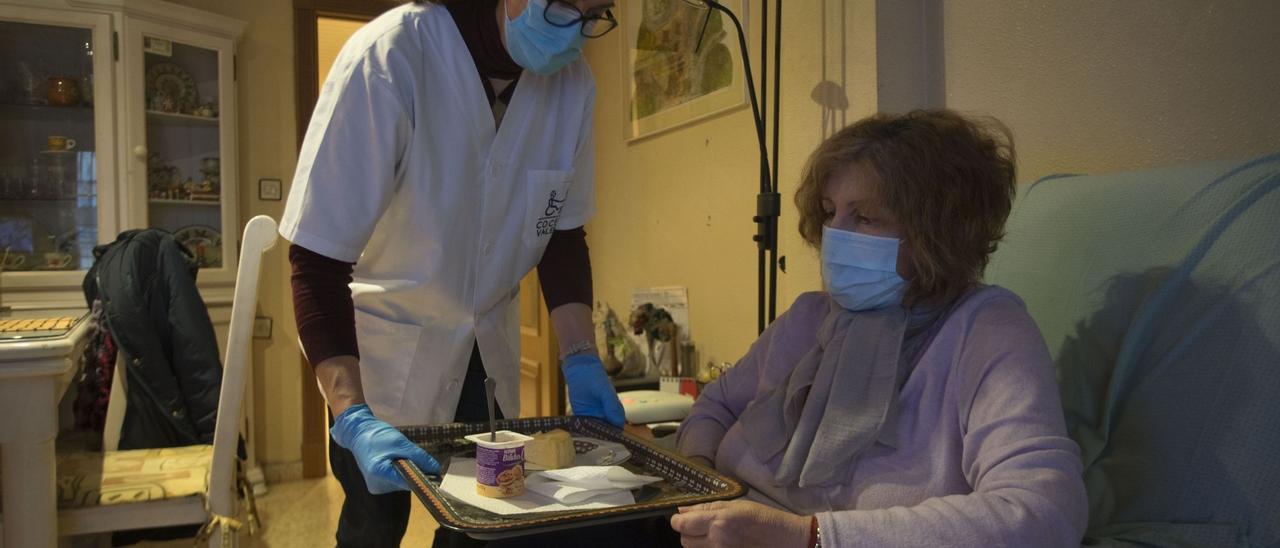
x=908 y=404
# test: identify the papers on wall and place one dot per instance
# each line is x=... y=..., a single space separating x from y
x=673 y=299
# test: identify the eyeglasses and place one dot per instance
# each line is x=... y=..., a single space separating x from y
x=563 y=14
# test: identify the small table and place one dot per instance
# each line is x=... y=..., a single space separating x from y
x=646 y=382
x=35 y=370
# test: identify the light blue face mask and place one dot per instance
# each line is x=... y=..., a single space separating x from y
x=861 y=271
x=539 y=46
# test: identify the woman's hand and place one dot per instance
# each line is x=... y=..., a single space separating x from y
x=739 y=523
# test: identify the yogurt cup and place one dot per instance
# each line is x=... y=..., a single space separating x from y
x=500 y=463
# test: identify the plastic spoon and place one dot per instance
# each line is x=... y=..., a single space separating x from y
x=489 y=385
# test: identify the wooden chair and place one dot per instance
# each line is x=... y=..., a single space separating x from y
x=145 y=488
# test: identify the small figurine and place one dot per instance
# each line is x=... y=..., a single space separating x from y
x=160 y=177
x=211 y=170
x=661 y=333
x=207 y=110
x=622 y=356
x=163 y=102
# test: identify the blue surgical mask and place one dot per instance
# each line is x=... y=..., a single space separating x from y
x=861 y=271
x=539 y=46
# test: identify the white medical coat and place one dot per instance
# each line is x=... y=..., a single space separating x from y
x=403 y=173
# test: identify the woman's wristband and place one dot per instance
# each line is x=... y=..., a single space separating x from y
x=815 y=535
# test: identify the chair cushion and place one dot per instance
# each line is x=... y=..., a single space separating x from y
x=139 y=475
x=1158 y=293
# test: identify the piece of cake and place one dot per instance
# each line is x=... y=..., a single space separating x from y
x=550 y=450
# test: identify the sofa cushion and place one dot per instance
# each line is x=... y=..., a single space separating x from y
x=1158 y=293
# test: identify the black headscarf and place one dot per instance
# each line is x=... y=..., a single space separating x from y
x=478 y=25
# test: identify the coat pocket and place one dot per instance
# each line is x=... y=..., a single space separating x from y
x=387 y=352
x=546 y=193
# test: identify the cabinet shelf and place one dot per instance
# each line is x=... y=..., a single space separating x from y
x=38 y=201
x=174 y=119
x=83 y=110
x=165 y=201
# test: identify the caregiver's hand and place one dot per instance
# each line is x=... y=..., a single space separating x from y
x=376 y=445
x=590 y=392
x=739 y=523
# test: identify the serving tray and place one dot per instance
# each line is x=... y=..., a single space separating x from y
x=683 y=481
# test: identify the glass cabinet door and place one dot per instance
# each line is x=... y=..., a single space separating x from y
x=50 y=122
x=182 y=85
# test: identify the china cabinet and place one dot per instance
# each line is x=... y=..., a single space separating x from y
x=114 y=115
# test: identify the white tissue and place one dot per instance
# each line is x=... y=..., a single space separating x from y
x=598 y=477
x=460 y=482
x=581 y=483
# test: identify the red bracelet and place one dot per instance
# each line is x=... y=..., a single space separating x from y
x=813 y=531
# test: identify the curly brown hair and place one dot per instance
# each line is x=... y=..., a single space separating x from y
x=949 y=180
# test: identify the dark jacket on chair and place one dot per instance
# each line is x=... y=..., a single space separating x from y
x=147 y=283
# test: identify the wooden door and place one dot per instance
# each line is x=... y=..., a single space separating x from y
x=321 y=27
x=540 y=392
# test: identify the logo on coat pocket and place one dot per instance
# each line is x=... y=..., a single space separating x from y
x=546 y=224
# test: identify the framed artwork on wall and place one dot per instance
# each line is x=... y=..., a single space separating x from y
x=670 y=80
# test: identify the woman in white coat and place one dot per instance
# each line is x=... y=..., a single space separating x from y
x=450 y=153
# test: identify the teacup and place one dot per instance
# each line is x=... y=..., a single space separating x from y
x=54 y=259
x=58 y=143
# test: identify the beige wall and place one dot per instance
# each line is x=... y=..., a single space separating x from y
x=1088 y=86
x=268 y=149
x=1098 y=85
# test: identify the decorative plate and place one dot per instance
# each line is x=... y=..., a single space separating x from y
x=597 y=452
x=204 y=242
x=174 y=82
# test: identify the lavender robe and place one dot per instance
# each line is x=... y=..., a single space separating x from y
x=980 y=455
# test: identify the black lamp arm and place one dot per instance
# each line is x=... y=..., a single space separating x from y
x=765 y=185
x=768 y=201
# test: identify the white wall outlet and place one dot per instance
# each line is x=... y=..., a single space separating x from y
x=262 y=327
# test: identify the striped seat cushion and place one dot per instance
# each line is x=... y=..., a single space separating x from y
x=140 y=475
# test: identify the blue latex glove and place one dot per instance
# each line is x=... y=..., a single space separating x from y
x=376 y=445
x=590 y=392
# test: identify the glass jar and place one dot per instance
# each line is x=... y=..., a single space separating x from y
x=63 y=91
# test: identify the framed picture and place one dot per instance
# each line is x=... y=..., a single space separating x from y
x=669 y=80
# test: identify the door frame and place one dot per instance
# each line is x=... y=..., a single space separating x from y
x=306 y=15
